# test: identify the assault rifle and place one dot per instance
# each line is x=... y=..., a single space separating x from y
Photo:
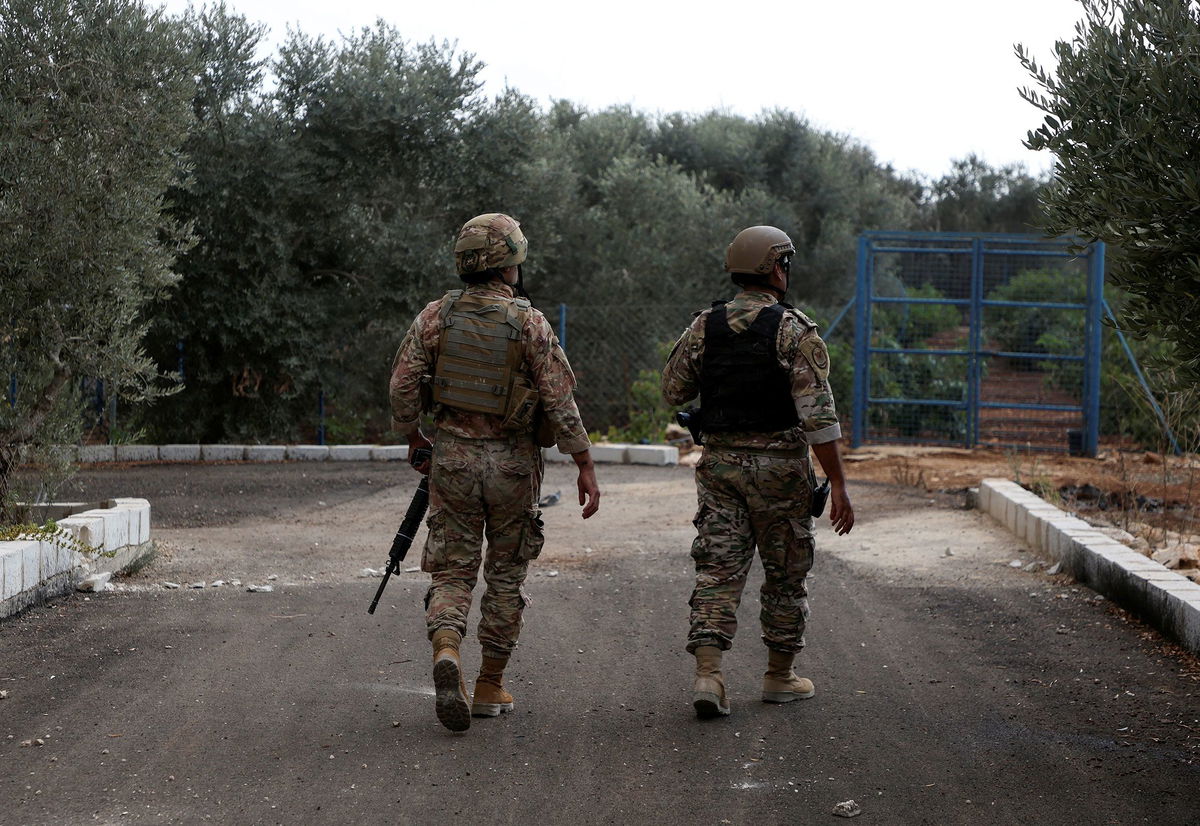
x=690 y=419
x=408 y=528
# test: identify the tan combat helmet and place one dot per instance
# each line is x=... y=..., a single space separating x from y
x=489 y=240
x=755 y=250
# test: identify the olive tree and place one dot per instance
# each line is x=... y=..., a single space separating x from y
x=95 y=100
x=1121 y=110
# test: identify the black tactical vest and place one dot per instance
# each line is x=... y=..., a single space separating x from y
x=742 y=386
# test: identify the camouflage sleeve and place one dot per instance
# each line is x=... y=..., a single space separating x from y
x=681 y=374
x=804 y=355
x=555 y=384
x=414 y=361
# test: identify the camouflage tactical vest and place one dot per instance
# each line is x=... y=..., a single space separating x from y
x=480 y=354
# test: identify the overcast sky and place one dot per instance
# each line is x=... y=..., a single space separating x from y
x=921 y=82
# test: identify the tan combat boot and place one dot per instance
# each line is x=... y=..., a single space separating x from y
x=453 y=704
x=780 y=683
x=491 y=700
x=708 y=692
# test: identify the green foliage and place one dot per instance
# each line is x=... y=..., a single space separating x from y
x=913 y=325
x=94 y=106
x=1038 y=329
x=1120 y=117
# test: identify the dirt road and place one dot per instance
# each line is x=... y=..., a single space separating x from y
x=951 y=689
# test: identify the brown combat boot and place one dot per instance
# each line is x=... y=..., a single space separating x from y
x=708 y=692
x=491 y=700
x=780 y=683
x=453 y=703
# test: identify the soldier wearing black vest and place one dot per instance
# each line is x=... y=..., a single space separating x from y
x=761 y=372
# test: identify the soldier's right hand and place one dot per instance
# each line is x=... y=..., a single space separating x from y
x=420 y=453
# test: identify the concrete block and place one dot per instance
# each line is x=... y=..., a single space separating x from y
x=97 y=453
x=10 y=570
x=139 y=521
x=31 y=563
x=136 y=453
x=984 y=498
x=610 y=454
x=1020 y=517
x=553 y=454
x=179 y=453
x=56 y=559
x=308 y=453
x=660 y=455
x=350 y=453
x=88 y=530
x=116 y=527
x=223 y=453
x=389 y=453
x=265 y=453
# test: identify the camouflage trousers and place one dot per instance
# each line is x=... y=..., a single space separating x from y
x=478 y=488
x=750 y=500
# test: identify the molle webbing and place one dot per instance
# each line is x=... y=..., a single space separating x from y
x=743 y=388
x=479 y=352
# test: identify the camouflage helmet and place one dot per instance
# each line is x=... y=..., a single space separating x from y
x=489 y=240
x=755 y=250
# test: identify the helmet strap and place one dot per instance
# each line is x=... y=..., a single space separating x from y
x=520 y=285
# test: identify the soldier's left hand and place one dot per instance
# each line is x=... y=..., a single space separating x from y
x=841 y=512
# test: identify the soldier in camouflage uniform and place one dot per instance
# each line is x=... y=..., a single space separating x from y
x=761 y=372
x=488 y=367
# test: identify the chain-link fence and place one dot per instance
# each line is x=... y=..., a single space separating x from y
x=610 y=346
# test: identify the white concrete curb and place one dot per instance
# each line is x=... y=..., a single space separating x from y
x=604 y=453
x=1166 y=599
x=32 y=571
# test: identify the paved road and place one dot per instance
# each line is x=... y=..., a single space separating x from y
x=951 y=689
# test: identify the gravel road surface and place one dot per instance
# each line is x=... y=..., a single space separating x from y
x=951 y=687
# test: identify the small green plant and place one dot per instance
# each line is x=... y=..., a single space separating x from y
x=50 y=532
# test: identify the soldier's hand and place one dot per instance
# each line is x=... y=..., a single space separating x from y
x=589 y=491
x=420 y=461
x=841 y=512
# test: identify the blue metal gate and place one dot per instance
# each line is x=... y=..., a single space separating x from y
x=978 y=340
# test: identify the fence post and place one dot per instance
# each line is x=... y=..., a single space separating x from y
x=12 y=391
x=1091 y=389
x=974 y=374
x=862 y=337
x=179 y=349
x=321 y=417
x=562 y=326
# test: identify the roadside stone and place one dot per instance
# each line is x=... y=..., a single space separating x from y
x=95 y=583
x=1054 y=569
x=369 y=572
x=272 y=577
x=137 y=453
x=847 y=808
x=217 y=583
x=266 y=453
x=197 y=585
x=260 y=589
x=1016 y=563
x=308 y=453
x=389 y=453
x=412 y=569
x=223 y=453
x=179 y=453
x=171 y=586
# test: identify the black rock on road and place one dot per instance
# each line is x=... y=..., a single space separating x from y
x=951 y=688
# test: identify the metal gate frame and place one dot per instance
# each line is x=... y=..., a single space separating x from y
x=981 y=245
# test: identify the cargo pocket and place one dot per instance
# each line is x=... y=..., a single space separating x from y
x=701 y=544
x=800 y=549
x=533 y=537
x=452 y=479
x=433 y=558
